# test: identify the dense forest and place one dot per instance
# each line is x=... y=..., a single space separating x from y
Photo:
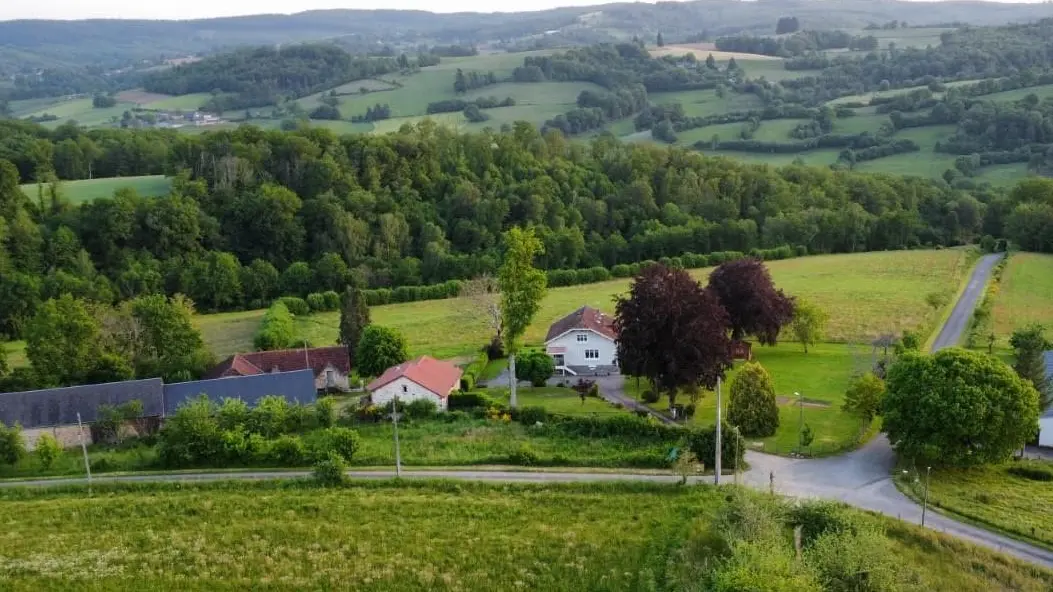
x=265 y=75
x=255 y=214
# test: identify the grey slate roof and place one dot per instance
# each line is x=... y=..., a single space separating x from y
x=59 y=406
x=297 y=386
x=1048 y=357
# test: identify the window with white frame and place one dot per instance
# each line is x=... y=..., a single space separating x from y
x=592 y=354
x=583 y=337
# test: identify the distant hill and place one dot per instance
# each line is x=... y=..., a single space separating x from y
x=119 y=43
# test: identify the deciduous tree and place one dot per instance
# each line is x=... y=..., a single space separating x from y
x=536 y=366
x=63 y=342
x=752 y=407
x=1029 y=345
x=379 y=349
x=755 y=307
x=354 y=318
x=864 y=396
x=957 y=407
x=672 y=332
x=523 y=287
x=808 y=324
x=937 y=300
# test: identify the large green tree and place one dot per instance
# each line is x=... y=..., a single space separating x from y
x=354 y=318
x=63 y=342
x=166 y=342
x=864 y=397
x=752 y=407
x=672 y=332
x=523 y=286
x=379 y=349
x=957 y=407
x=1029 y=344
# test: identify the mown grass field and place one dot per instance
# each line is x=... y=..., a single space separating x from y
x=866 y=294
x=85 y=190
x=821 y=376
x=81 y=111
x=700 y=103
x=1025 y=295
x=992 y=496
x=404 y=536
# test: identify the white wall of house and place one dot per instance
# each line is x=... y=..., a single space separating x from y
x=585 y=348
x=1045 y=432
x=407 y=391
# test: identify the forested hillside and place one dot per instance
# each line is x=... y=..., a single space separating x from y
x=266 y=75
x=256 y=214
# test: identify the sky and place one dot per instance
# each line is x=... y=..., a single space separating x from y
x=191 y=9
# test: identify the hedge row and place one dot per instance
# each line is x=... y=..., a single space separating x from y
x=556 y=278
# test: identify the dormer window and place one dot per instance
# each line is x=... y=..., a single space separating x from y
x=583 y=337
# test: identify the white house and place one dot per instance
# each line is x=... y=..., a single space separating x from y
x=423 y=378
x=1045 y=421
x=583 y=342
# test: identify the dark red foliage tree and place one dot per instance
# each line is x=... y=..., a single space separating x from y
x=754 y=306
x=672 y=332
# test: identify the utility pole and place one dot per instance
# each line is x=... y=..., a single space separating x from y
x=716 y=472
x=925 y=501
x=84 y=449
x=800 y=423
x=395 y=422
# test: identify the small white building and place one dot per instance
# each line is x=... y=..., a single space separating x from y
x=1045 y=421
x=583 y=343
x=424 y=378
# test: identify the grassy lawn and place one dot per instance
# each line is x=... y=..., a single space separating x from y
x=822 y=376
x=85 y=190
x=564 y=401
x=81 y=111
x=16 y=353
x=406 y=536
x=1025 y=295
x=993 y=497
x=699 y=103
x=866 y=295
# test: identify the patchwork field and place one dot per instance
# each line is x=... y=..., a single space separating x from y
x=866 y=294
x=86 y=190
x=1025 y=295
x=507 y=537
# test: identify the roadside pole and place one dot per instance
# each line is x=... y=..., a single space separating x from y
x=395 y=422
x=925 y=500
x=800 y=424
x=84 y=449
x=716 y=472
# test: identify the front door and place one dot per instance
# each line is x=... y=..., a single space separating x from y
x=558 y=360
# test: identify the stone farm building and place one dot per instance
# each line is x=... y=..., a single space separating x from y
x=331 y=365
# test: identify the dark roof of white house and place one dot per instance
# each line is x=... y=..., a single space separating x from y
x=587 y=318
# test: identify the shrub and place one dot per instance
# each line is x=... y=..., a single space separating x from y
x=47 y=450
x=817 y=518
x=325 y=412
x=270 y=417
x=859 y=561
x=467 y=382
x=287 y=451
x=536 y=366
x=276 y=329
x=295 y=305
x=1032 y=471
x=341 y=441
x=468 y=401
x=330 y=471
x=703 y=443
x=532 y=415
x=752 y=407
x=316 y=302
x=689 y=410
x=651 y=396
x=524 y=455
x=496 y=349
x=191 y=436
x=233 y=414
x=421 y=408
x=332 y=300
x=299 y=418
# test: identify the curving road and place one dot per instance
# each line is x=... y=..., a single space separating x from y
x=859 y=478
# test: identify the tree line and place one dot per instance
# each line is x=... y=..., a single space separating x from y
x=255 y=214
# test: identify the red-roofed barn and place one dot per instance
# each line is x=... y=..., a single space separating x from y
x=423 y=378
x=331 y=365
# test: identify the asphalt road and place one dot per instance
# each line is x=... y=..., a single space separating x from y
x=953 y=330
